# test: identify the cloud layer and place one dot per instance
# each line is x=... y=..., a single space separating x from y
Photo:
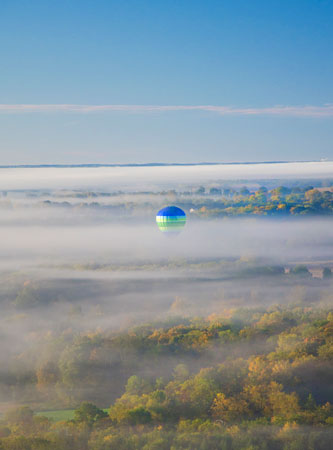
x=280 y=111
x=155 y=178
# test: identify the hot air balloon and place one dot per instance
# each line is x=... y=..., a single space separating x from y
x=171 y=220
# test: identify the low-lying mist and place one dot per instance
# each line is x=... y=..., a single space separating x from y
x=91 y=296
x=56 y=237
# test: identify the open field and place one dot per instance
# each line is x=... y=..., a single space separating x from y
x=60 y=415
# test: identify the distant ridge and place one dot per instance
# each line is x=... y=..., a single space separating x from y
x=31 y=166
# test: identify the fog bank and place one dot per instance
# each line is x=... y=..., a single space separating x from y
x=149 y=178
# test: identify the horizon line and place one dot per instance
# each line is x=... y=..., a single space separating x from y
x=158 y=164
x=323 y=111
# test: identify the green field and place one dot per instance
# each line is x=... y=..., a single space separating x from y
x=60 y=414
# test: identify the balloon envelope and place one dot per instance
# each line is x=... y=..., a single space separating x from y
x=171 y=219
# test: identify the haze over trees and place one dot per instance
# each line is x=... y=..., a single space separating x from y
x=115 y=337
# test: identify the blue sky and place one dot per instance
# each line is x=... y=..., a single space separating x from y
x=253 y=58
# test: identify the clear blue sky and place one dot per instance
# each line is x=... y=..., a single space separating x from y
x=242 y=54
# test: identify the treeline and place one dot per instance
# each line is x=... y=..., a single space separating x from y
x=92 y=429
x=245 y=379
x=227 y=202
x=202 y=202
x=276 y=202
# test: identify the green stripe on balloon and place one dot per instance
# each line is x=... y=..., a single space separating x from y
x=171 y=219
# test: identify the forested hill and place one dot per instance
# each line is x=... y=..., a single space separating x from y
x=244 y=378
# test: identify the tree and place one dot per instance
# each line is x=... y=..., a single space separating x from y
x=47 y=375
x=215 y=191
x=181 y=372
x=20 y=416
x=136 y=385
x=244 y=191
x=89 y=413
x=201 y=190
x=281 y=404
x=313 y=195
x=281 y=190
x=310 y=403
x=28 y=297
x=139 y=416
x=327 y=273
x=300 y=270
x=230 y=409
x=262 y=190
